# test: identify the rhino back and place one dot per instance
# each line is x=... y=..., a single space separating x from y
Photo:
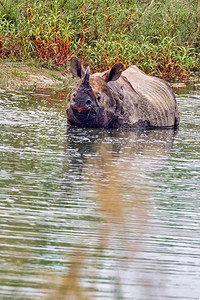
x=146 y=98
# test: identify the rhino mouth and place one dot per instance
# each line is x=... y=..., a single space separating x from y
x=83 y=113
x=77 y=109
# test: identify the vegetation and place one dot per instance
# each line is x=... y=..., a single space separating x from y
x=160 y=36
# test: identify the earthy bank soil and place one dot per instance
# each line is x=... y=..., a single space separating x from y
x=22 y=75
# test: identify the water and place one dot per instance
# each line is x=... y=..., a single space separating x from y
x=106 y=214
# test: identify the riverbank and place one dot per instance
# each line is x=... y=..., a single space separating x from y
x=24 y=75
x=19 y=75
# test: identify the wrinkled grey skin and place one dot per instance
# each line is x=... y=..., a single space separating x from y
x=116 y=99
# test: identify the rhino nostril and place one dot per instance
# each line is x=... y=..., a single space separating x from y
x=88 y=102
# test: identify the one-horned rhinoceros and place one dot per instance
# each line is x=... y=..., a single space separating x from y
x=116 y=99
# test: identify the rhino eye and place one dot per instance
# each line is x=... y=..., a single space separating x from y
x=98 y=98
x=73 y=96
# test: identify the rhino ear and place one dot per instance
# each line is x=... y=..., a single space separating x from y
x=76 y=67
x=114 y=73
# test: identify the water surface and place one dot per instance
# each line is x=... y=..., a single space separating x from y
x=108 y=214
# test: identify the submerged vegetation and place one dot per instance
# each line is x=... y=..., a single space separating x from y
x=161 y=37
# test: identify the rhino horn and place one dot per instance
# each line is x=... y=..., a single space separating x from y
x=86 y=77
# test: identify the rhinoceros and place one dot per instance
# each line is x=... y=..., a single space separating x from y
x=120 y=99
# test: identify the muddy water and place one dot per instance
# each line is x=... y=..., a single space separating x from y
x=104 y=214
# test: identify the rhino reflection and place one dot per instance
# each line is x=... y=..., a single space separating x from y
x=114 y=162
x=81 y=145
x=118 y=167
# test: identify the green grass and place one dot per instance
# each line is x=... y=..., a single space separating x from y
x=161 y=37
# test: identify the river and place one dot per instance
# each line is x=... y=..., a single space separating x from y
x=97 y=214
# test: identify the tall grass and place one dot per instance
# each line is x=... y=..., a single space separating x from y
x=161 y=37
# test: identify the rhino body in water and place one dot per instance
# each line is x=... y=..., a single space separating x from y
x=120 y=99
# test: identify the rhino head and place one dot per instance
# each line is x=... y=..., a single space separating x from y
x=92 y=103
